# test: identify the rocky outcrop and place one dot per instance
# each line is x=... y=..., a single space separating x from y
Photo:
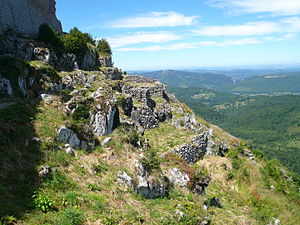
x=145 y=117
x=178 y=177
x=105 y=61
x=103 y=122
x=62 y=61
x=141 y=89
x=149 y=185
x=29 y=81
x=113 y=73
x=188 y=121
x=192 y=152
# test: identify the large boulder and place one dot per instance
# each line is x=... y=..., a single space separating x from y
x=66 y=135
x=177 y=177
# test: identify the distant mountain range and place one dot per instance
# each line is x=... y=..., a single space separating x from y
x=242 y=81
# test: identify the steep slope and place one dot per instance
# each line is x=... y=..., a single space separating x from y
x=99 y=147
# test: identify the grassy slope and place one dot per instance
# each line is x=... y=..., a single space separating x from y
x=84 y=190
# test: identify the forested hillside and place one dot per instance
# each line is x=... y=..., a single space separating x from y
x=267 y=122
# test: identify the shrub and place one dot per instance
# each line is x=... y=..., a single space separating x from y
x=151 y=160
x=71 y=216
x=76 y=42
x=8 y=220
x=103 y=48
x=43 y=203
x=50 y=36
x=133 y=137
x=81 y=113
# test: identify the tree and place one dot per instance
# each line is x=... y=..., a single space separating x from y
x=103 y=48
x=51 y=37
x=76 y=42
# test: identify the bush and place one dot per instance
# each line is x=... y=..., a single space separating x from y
x=8 y=220
x=103 y=48
x=43 y=203
x=50 y=36
x=81 y=113
x=71 y=216
x=151 y=160
x=76 y=42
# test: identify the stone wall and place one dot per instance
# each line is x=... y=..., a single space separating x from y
x=25 y=16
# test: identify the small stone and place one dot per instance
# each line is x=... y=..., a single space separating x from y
x=36 y=139
x=179 y=213
x=70 y=151
x=105 y=141
x=46 y=98
x=45 y=171
x=272 y=188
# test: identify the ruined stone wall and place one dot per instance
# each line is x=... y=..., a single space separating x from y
x=25 y=16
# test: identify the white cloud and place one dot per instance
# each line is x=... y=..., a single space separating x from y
x=154 y=19
x=287 y=25
x=191 y=45
x=292 y=23
x=275 y=7
x=224 y=43
x=143 y=37
x=248 y=29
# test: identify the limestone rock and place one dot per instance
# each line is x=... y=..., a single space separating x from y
x=45 y=171
x=102 y=122
x=66 y=135
x=148 y=185
x=127 y=106
x=47 y=98
x=194 y=151
x=177 y=177
x=144 y=117
x=5 y=86
x=125 y=180
x=113 y=73
x=105 y=141
x=70 y=151
x=105 y=61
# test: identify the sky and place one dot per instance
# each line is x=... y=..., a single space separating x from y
x=177 y=34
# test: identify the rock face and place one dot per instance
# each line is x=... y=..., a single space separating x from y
x=5 y=86
x=194 y=151
x=104 y=122
x=177 y=177
x=26 y=16
x=105 y=61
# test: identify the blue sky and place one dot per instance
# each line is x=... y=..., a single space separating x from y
x=174 y=34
